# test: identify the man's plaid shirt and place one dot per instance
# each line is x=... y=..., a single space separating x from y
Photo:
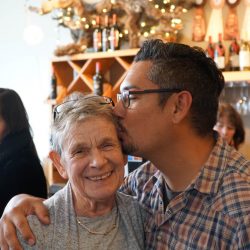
x=212 y=213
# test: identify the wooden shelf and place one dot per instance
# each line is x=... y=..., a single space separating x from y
x=236 y=76
x=74 y=73
x=97 y=55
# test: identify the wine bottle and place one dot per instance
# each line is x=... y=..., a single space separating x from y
x=105 y=34
x=53 y=85
x=219 y=53
x=210 y=48
x=244 y=55
x=114 y=34
x=97 y=36
x=98 y=80
x=234 y=49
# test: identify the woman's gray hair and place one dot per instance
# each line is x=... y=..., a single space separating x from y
x=77 y=107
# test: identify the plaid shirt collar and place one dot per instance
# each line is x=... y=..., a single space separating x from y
x=209 y=178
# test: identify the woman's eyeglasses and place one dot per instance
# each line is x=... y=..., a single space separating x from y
x=104 y=100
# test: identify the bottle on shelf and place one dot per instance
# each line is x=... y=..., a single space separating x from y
x=233 y=62
x=114 y=34
x=97 y=36
x=53 y=85
x=105 y=34
x=98 y=80
x=219 y=54
x=210 y=48
x=244 y=55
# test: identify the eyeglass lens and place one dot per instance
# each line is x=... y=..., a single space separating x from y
x=124 y=97
x=58 y=108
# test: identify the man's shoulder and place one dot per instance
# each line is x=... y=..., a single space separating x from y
x=239 y=164
x=145 y=171
x=233 y=197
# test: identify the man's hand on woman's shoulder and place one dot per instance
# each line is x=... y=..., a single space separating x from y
x=14 y=218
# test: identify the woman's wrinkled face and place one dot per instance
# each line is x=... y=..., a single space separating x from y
x=93 y=160
x=225 y=129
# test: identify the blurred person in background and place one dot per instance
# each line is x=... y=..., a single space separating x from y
x=230 y=125
x=20 y=167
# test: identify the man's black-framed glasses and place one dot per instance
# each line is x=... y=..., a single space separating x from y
x=124 y=96
x=58 y=109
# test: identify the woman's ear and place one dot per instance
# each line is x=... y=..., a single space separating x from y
x=182 y=105
x=56 y=159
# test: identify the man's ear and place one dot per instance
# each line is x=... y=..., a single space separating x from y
x=182 y=104
x=56 y=159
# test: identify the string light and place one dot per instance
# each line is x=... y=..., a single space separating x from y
x=162 y=19
x=167 y=15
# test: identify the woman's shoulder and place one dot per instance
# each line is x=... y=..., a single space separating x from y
x=129 y=205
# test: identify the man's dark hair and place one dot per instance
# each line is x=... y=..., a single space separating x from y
x=187 y=68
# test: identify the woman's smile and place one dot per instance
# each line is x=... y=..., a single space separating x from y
x=100 y=177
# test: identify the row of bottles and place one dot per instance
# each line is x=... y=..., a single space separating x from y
x=238 y=55
x=97 y=82
x=106 y=37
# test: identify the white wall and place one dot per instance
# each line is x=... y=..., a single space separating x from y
x=26 y=68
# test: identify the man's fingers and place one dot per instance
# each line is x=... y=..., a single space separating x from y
x=7 y=239
x=14 y=219
x=3 y=244
x=41 y=211
x=23 y=227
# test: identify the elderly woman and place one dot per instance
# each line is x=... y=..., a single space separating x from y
x=88 y=213
x=230 y=125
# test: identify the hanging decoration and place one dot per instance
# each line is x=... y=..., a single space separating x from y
x=215 y=25
x=137 y=19
x=199 y=24
x=245 y=30
x=231 y=29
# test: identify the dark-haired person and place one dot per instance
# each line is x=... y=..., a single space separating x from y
x=230 y=125
x=20 y=168
x=195 y=186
